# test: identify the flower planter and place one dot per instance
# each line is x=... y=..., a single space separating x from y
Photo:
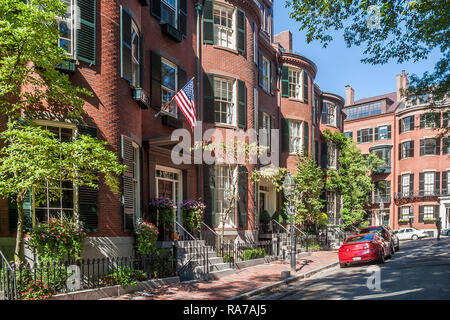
x=429 y=221
x=403 y=222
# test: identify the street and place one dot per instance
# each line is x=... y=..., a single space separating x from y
x=420 y=270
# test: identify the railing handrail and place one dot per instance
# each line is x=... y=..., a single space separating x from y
x=187 y=232
x=210 y=229
x=5 y=261
x=299 y=230
x=280 y=225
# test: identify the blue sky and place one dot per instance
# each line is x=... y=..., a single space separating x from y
x=339 y=66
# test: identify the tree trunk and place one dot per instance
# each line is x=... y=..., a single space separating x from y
x=19 y=250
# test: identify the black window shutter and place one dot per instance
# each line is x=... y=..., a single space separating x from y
x=411 y=150
x=324 y=113
x=127 y=184
x=324 y=156
x=155 y=60
x=125 y=44
x=399 y=184
x=370 y=134
x=243 y=195
x=421 y=213
x=358 y=135
x=209 y=191
x=305 y=86
x=400 y=151
x=411 y=124
x=260 y=70
x=422 y=120
x=182 y=77
x=400 y=126
x=141 y=61
x=86 y=34
x=438 y=146
x=182 y=18
x=444 y=183
x=88 y=196
x=208 y=97
x=285 y=136
x=422 y=147
x=376 y=134
x=285 y=81
x=445 y=145
x=389 y=132
x=27 y=213
x=421 y=183
x=242 y=104
x=155 y=8
x=305 y=138
x=437 y=183
x=411 y=183
x=399 y=213
x=208 y=21
x=241 y=32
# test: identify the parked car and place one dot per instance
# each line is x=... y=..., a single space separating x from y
x=368 y=247
x=387 y=233
x=446 y=232
x=410 y=234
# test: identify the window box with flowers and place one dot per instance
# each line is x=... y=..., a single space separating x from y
x=163 y=215
x=403 y=221
x=429 y=220
x=192 y=215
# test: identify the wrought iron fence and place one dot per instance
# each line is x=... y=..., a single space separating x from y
x=73 y=275
x=232 y=252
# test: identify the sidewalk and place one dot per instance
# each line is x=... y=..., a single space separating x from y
x=242 y=281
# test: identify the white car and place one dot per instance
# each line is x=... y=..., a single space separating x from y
x=410 y=234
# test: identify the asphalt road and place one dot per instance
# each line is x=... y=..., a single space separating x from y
x=419 y=271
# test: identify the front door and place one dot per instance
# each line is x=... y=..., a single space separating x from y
x=168 y=185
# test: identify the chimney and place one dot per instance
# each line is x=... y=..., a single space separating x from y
x=284 y=39
x=349 y=96
x=402 y=83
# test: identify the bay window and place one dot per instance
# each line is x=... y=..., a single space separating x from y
x=295 y=84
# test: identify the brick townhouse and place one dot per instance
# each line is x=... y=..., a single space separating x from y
x=412 y=187
x=134 y=56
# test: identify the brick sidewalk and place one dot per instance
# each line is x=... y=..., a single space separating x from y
x=242 y=281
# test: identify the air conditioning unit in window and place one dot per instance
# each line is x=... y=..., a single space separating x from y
x=141 y=97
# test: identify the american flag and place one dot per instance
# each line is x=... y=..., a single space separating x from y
x=185 y=101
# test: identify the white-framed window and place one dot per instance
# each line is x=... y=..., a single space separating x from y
x=266 y=127
x=295 y=136
x=224 y=100
x=428 y=212
x=429 y=183
x=265 y=73
x=405 y=184
x=331 y=115
x=224 y=25
x=225 y=179
x=331 y=155
x=66 y=27
x=295 y=83
x=405 y=212
x=135 y=55
x=56 y=199
x=168 y=12
x=169 y=77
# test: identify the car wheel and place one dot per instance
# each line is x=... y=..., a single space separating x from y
x=448 y=233
x=397 y=248
x=343 y=265
x=414 y=237
x=381 y=260
x=392 y=250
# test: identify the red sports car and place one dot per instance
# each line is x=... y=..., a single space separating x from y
x=365 y=247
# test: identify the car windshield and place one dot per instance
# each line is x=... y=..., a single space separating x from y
x=360 y=238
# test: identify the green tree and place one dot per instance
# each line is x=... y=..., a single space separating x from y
x=310 y=183
x=352 y=179
x=399 y=30
x=35 y=157
x=28 y=56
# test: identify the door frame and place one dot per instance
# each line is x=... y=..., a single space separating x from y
x=178 y=192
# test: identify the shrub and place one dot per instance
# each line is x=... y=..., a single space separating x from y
x=162 y=264
x=165 y=207
x=280 y=217
x=226 y=257
x=124 y=276
x=147 y=234
x=251 y=254
x=57 y=239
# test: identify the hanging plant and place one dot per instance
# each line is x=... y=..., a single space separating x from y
x=147 y=234
x=192 y=214
x=57 y=239
x=165 y=208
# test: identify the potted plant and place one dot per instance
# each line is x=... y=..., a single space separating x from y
x=429 y=220
x=264 y=220
x=192 y=215
x=164 y=209
x=403 y=221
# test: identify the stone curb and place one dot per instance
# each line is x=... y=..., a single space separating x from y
x=277 y=284
x=114 y=291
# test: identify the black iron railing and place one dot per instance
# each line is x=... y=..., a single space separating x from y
x=7 y=279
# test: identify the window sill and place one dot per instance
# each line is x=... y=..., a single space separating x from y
x=429 y=155
x=296 y=99
x=225 y=126
x=226 y=49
